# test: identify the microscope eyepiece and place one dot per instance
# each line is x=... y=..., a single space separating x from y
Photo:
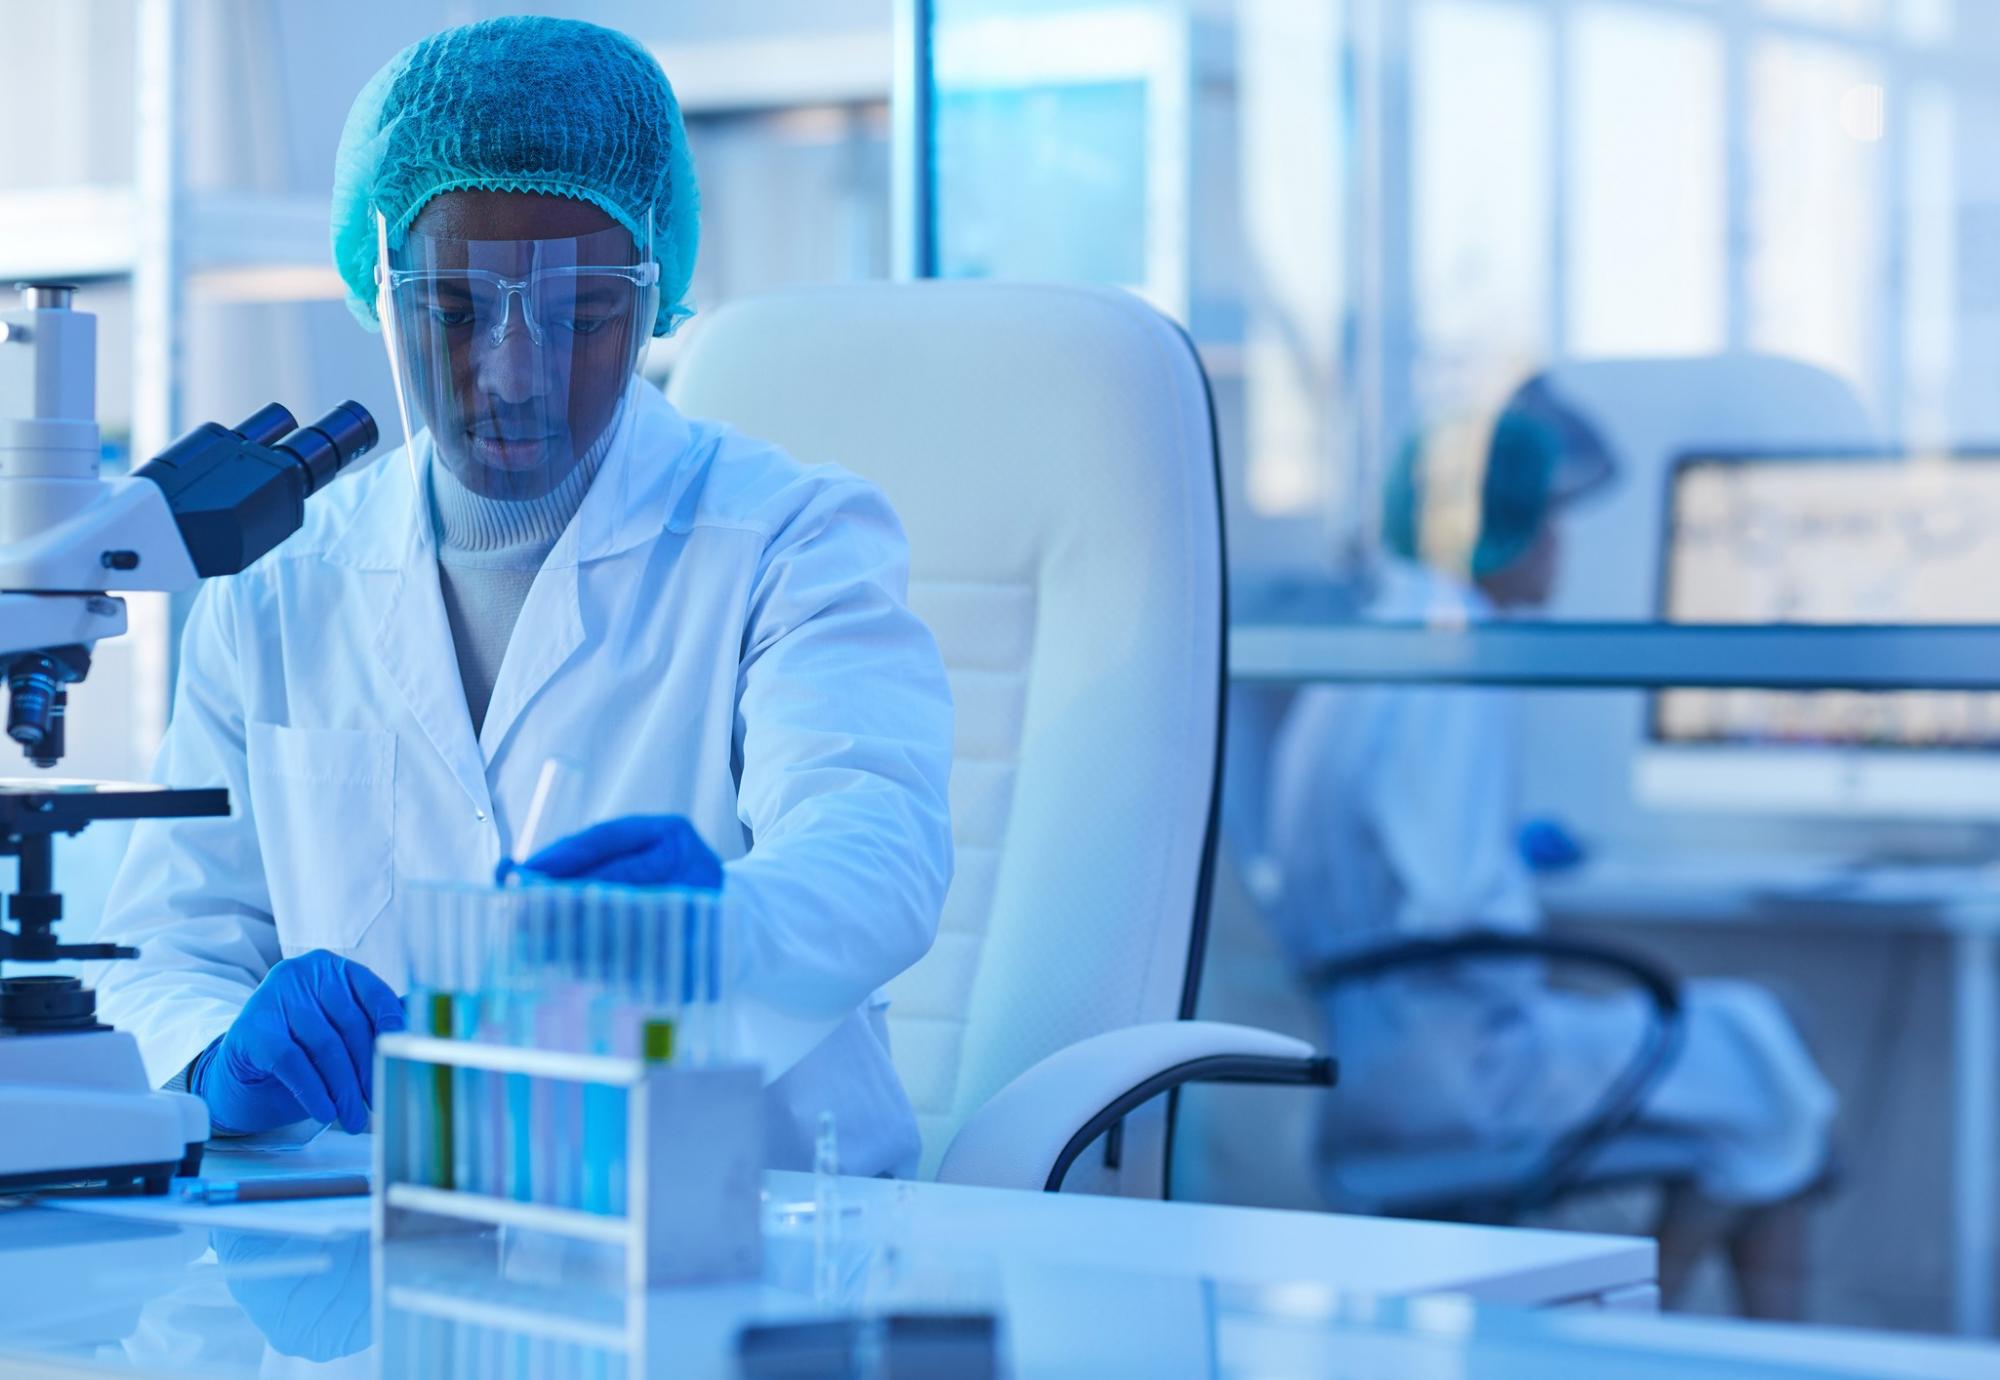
x=332 y=443
x=268 y=425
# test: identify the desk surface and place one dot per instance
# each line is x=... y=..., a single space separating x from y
x=158 y=1286
x=88 y=1293
x=1244 y=1245
x=1725 y=889
x=1087 y=1286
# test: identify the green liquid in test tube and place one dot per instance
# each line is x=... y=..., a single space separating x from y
x=440 y=1117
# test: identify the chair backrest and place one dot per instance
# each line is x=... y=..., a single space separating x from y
x=1051 y=452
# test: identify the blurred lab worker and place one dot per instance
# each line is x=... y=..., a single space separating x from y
x=1393 y=815
x=557 y=565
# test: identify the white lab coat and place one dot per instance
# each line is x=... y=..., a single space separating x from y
x=1393 y=814
x=721 y=633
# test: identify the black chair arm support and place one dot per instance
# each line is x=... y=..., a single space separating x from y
x=1317 y=1071
x=1623 y=1098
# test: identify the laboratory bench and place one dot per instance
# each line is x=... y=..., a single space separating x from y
x=1080 y=1285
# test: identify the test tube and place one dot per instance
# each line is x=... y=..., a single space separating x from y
x=711 y=913
x=495 y=992
x=438 y=1116
x=625 y=913
x=688 y=960
x=537 y=1153
x=410 y=1085
x=555 y=805
x=576 y=1095
x=468 y=1124
x=826 y=1211
x=594 y=1188
x=701 y=922
x=459 y=1026
x=518 y=1030
x=601 y=1113
x=548 y=1150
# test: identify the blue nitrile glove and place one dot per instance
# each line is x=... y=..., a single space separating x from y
x=303 y=1046
x=639 y=850
x=1548 y=846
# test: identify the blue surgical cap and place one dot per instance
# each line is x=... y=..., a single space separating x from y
x=1518 y=494
x=527 y=104
x=1520 y=483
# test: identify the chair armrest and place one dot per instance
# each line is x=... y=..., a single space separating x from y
x=1031 y=1131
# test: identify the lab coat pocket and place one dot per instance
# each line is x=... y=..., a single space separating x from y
x=324 y=802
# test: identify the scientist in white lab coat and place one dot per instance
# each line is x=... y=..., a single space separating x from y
x=558 y=565
x=1393 y=815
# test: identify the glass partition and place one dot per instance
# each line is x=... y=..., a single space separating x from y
x=1448 y=256
x=1630 y=360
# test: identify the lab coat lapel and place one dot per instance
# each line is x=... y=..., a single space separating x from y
x=413 y=640
x=547 y=634
x=628 y=504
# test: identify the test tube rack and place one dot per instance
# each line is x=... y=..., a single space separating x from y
x=692 y=1207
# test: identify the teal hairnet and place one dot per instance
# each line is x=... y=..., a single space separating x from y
x=1518 y=492
x=526 y=104
x=1539 y=457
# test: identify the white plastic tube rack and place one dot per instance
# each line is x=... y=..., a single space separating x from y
x=693 y=1151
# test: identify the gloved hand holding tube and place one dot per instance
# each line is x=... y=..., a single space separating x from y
x=303 y=1046
x=637 y=850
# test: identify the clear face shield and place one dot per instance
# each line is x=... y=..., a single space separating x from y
x=512 y=356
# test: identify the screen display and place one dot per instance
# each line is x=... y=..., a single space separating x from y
x=1802 y=539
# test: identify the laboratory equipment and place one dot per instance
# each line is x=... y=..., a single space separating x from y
x=1864 y=538
x=276 y=1188
x=70 y=540
x=567 y=1070
x=558 y=789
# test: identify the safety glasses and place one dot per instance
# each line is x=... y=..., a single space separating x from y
x=513 y=355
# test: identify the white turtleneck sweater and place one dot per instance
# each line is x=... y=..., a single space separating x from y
x=489 y=552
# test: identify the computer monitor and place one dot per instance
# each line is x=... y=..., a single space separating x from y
x=1829 y=538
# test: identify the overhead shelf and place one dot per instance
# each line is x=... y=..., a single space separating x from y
x=779 y=72
x=92 y=232
x=67 y=232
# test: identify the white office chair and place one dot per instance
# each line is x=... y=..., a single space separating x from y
x=1051 y=452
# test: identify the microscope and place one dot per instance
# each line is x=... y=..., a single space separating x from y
x=74 y=1099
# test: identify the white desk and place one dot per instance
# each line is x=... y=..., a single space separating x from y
x=153 y=1287
x=1962 y=904
x=90 y=1293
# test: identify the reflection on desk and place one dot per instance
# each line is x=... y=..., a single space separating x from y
x=113 y=1295
x=1079 y=1282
